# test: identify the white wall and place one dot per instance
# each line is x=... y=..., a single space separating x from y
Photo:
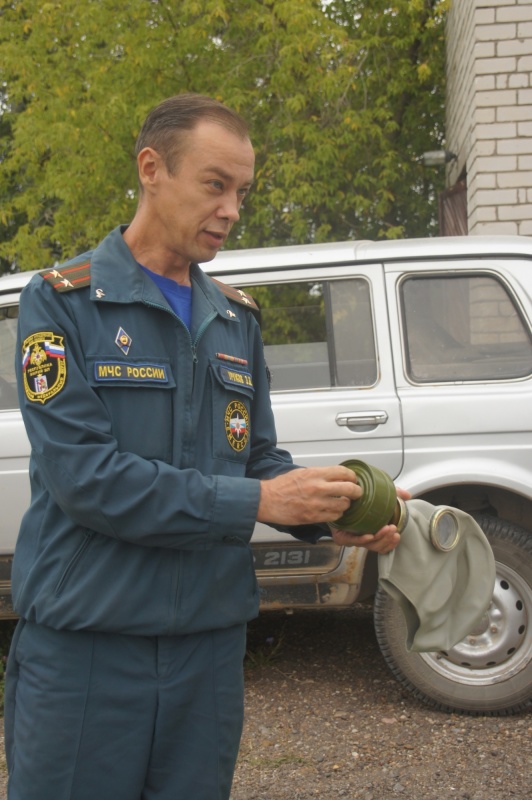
x=489 y=111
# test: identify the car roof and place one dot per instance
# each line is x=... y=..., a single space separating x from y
x=369 y=251
x=360 y=251
x=15 y=281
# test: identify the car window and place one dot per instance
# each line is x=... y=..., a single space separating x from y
x=463 y=328
x=318 y=334
x=8 y=339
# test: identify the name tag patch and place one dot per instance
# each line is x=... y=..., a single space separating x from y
x=125 y=371
x=235 y=377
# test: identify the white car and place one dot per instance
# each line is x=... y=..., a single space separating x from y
x=415 y=356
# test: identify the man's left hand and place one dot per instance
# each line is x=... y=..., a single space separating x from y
x=384 y=541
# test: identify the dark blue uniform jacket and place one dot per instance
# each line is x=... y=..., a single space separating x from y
x=148 y=444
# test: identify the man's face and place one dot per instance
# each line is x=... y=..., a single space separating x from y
x=193 y=210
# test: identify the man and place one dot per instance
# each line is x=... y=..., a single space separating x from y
x=133 y=575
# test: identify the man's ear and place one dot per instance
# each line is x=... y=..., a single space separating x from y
x=149 y=162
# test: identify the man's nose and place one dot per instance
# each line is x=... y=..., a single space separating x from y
x=230 y=208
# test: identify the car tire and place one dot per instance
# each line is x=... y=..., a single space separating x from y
x=490 y=671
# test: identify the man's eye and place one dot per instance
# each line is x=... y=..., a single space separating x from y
x=217 y=185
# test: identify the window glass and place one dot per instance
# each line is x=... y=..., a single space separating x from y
x=318 y=334
x=463 y=328
x=8 y=339
x=354 y=339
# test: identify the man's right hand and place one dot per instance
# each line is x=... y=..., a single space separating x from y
x=308 y=496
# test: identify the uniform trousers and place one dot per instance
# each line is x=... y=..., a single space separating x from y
x=102 y=716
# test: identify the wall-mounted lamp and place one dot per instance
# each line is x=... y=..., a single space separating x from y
x=438 y=158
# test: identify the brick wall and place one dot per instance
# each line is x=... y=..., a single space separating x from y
x=489 y=111
x=493 y=318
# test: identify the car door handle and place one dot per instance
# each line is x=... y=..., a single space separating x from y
x=356 y=419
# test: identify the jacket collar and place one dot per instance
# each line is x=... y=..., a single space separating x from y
x=117 y=278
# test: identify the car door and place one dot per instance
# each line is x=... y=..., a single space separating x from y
x=15 y=448
x=463 y=338
x=327 y=345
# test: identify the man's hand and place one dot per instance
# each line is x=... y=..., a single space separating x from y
x=384 y=541
x=307 y=496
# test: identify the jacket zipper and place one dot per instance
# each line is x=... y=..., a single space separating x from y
x=193 y=343
x=194 y=349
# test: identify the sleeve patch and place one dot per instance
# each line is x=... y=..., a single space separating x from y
x=43 y=366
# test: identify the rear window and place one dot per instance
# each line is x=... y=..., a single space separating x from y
x=318 y=334
x=463 y=328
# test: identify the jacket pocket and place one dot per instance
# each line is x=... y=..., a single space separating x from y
x=138 y=395
x=74 y=562
x=232 y=393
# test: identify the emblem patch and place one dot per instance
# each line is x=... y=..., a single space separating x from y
x=43 y=366
x=237 y=425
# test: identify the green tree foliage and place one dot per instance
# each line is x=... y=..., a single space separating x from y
x=342 y=97
x=292 y=312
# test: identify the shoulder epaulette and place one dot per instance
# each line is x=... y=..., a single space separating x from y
x=239 y=296
x=74 y=276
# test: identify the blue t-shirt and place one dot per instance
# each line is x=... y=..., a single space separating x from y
x=179 y=297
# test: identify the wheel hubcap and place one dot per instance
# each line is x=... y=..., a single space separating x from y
x=501 y=644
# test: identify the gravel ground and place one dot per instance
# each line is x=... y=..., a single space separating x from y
x=326 y=719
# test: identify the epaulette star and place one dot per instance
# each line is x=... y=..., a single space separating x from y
x=78 y=276
x=239 y=296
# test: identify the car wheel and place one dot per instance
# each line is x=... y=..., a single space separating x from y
x=490 y=671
